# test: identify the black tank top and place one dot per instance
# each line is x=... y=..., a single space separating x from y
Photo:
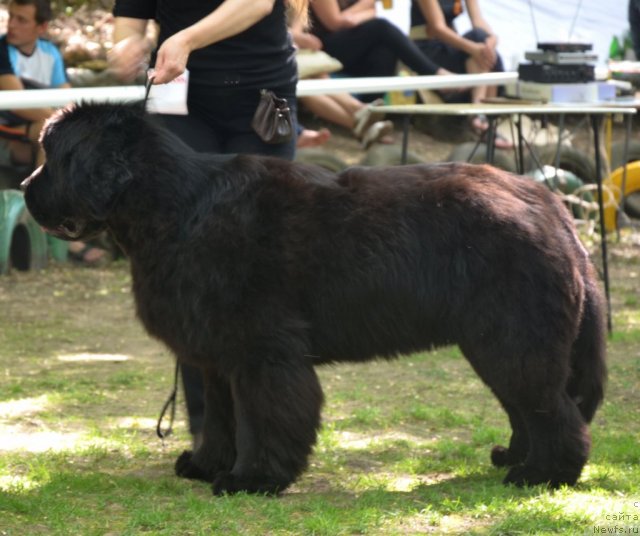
x=262 y=56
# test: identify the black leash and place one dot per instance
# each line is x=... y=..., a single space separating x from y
x=170 y=403
x=147 y=88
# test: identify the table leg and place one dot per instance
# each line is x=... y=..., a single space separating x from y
x=596 y=121
x=406 y=123
x=620 y=214
x=520 y=145
x=491 y=139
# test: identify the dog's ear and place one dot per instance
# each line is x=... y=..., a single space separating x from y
x=92 y=148
x=97 y=182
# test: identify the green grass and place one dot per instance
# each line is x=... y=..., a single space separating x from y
x=404 y=447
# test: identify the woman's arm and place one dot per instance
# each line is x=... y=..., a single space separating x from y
x=12 y=82
x=329 y=14
x=230 y=18
x=437 y=28
x=130 y=49
x=478 y=21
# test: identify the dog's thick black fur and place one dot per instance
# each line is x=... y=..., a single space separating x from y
x=256 y=269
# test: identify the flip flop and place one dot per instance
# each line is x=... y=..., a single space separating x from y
x=365 y=118
x=480 y=126
x=376 y=133
x=499 y=141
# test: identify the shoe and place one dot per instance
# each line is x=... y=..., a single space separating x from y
x=376 y=133
x=365 y=117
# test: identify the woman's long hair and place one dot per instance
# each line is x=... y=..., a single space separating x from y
x=298 y=11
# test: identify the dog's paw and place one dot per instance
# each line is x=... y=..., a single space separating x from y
x=186 y=468
x=499 y=456
x=228 y=483
x=523 y=475
x=504 y=457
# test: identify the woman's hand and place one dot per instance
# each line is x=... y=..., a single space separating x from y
x=484 y=55
x=172 y=57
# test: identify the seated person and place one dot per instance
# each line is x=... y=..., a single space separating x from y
x=433 y=30
x=342 y=109
x=28 y=61
x=366 y=45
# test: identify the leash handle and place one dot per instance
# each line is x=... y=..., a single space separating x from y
x=147 y=85
x=170 y=403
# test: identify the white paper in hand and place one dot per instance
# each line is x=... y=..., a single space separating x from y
x=169 y=98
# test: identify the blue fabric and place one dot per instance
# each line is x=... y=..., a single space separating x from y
x=44 y=66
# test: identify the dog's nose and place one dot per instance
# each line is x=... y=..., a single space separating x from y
x=25 y=183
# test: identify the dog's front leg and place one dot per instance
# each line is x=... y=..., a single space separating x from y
x=277 y=414
x=217 y=451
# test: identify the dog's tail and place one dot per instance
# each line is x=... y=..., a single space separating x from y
x=588 y=368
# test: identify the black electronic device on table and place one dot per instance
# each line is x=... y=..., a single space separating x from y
x=548 y=73
x=559 y=63
x=565 y=47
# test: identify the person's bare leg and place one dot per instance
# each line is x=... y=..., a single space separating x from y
x=478 y=93
x=28 y=153
x=328 y=108
x=348 y=102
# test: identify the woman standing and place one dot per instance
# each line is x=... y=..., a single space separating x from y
x=232 y=49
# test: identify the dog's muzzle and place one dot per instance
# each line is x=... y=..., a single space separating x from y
x=70 y=229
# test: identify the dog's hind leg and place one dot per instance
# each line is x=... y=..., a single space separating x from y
x=560 y=446
x=217 y=451
x=550 y=441
x=277 y=412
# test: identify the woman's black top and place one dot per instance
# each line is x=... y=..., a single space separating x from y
x=261 y=56
x=450 y=9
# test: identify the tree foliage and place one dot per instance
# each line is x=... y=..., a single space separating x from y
x=68 y=7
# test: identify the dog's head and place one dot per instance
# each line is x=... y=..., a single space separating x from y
x=88 y=149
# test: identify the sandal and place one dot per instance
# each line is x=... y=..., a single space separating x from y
x=88 y=255
x=365 y=117
x=480 y=126
x=499 y=141
x=377 y=133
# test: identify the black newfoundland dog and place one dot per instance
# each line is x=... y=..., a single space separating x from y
x=256 y=269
